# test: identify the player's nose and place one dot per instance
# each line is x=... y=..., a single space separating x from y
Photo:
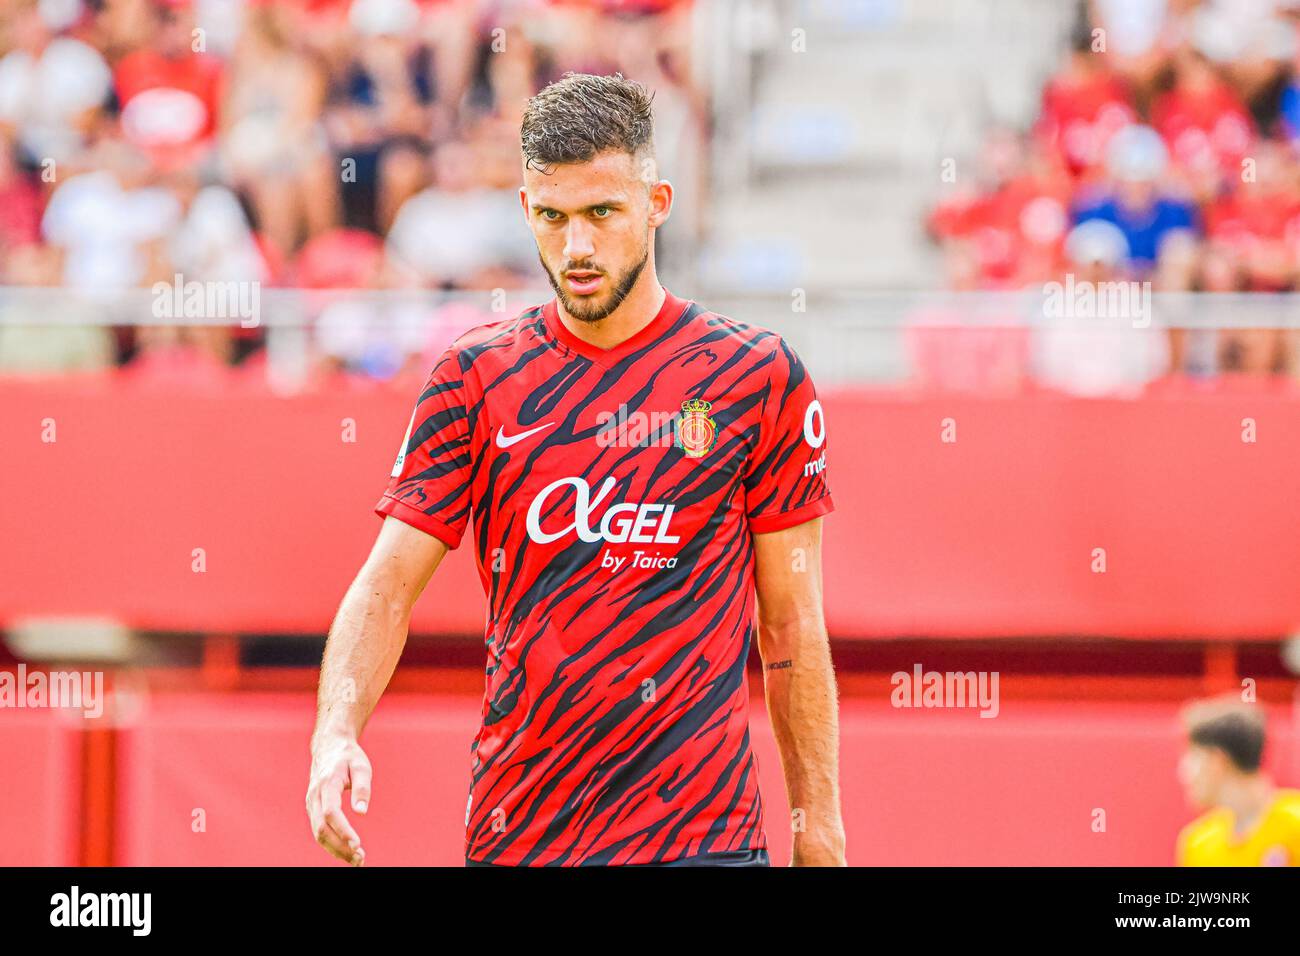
x=578 y=244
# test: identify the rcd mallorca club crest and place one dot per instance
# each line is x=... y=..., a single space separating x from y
x=696 y=431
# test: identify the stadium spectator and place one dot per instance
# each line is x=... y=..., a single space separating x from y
x=1135 y=200
x=1288 y=105
x=51 y=88
x=1083 y=347
x=20 y=200
x=169 y=91
x=1015 y=224
x=214 y=242
x=1204 y=124
x=1136 y=37
x=104 y=221
x=1083 y=106
x=29 y=343
x=1259 y=218
x=383 y=111
x=273 y=145
x=1223 y=268
x=1250 y=41
x=483 y=252
x=214 y=239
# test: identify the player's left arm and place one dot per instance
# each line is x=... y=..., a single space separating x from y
x=799 y=684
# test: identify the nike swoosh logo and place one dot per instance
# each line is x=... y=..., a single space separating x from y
x=504 y=441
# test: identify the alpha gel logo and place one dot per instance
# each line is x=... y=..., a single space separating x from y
x=637 y=523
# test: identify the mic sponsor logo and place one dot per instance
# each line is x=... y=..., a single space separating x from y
x=814 y=425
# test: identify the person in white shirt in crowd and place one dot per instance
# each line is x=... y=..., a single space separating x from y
x=1090 y=351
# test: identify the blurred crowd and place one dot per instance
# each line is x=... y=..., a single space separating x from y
x=314 y=144
x=328 y=145
x=1166 y=150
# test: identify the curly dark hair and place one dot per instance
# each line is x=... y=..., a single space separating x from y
x=583 y=114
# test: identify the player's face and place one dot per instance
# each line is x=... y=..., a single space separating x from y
x=592 y=225
x=1197 y=773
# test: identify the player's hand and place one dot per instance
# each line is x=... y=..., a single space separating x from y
x=338 y=764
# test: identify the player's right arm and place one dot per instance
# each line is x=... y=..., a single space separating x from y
x=426 y=510
x=361 y=653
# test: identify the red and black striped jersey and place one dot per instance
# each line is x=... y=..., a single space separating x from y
x=613 y=495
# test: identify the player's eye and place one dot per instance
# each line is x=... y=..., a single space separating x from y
x=551 y=215
x=602 y=212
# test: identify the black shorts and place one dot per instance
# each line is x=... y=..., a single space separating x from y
x=729 y=858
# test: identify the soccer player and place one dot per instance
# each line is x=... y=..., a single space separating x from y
x=1251 y=822
x=639 y=473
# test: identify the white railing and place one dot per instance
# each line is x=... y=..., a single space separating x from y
x=844 y=337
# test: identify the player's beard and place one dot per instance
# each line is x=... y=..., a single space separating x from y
x=585 y=311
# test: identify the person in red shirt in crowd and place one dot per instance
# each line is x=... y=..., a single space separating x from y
x=1139 y=37
x=20 y=200
x=169 y=93
x=1083 y=106
x=1254 y=246
x=1004 y=237
x=1015 y=228
x=1248 y=351
x=1205 y=125
x=1258 y=218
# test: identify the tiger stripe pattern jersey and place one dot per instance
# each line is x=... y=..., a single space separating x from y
x=613 y=495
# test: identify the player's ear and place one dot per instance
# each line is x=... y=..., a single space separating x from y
x=661 y=202
x=523 y=201
x=1220 y=763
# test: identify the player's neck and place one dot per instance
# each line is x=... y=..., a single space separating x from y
x=633 y=314
x=1248 y=798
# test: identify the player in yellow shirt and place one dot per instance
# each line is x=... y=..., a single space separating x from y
x=1249 y=821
